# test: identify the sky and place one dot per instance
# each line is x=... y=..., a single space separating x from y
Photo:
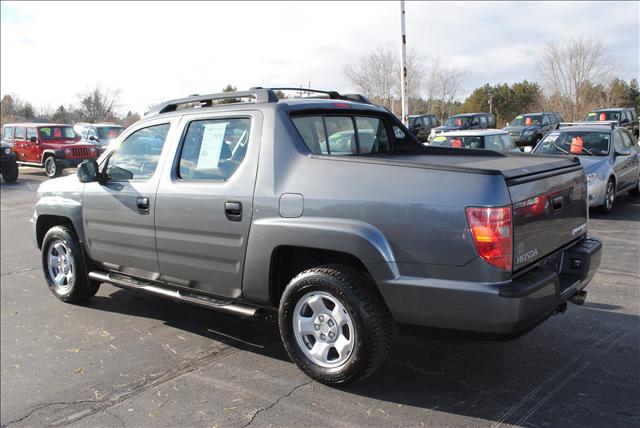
x=153 y=51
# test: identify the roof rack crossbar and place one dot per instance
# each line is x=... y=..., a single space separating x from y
x=611 y=123
x=259 y=95
x=334 y=95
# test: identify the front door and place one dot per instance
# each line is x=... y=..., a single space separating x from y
x=33 y=147
x=119 y=214
x=624 y=165
x=205 y=202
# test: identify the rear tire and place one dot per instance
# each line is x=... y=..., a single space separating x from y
x=51 y=167
x=335 y=325
x=11 y=174
x=63 y=264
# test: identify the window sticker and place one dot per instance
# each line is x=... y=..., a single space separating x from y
x=439 y=138
x=593 y=113
x=552 y=137
x=211 y=146
x=519 y=117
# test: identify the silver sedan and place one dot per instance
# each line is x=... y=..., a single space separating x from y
x=608 y=153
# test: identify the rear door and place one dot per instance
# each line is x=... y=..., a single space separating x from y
x=629 y=164
x=33 y=147
x=119 y=215
x=20 y=144
x=204 y=202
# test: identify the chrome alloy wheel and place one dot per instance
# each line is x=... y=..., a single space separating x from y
x=61 y=266
x=50 y=166
x=609 y=195
x=323 y=329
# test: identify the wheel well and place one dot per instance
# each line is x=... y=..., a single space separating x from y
x=46 y=222
x=288 y=261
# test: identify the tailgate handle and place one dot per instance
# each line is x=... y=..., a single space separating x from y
x=557 y=203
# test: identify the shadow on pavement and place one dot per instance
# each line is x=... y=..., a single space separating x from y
x=503 y=382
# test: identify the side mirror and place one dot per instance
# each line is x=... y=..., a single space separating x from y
x=34 y=140
x=88 y=172
x=93 y=138
x=623 y=151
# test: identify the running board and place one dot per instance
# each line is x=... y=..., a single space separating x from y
x=194 y=298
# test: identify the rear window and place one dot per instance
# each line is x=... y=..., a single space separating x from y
x=8 y=133
x=343 y=135
x=466 y=142
x=109 y=132
x=602 y=115
x=57 y=132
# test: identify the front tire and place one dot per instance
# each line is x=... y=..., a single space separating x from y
x=64 y=267
x=609 y=197
x=51 y=167
x=334 y=324
x=636 y=190
x=11 y=174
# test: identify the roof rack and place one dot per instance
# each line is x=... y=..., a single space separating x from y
x=611 y=123
x=257 y=94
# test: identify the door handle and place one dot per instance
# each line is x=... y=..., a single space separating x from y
x=143 y=204
x=233 y=210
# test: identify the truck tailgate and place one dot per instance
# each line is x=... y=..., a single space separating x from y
x=549 y=211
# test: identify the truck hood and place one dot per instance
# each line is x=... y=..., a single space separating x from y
x=60 y=186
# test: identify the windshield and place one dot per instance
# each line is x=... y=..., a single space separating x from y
x=575 y=143
x=458 y=121
x=602 y=115
x=57 y=132
x=527 y=120
x=109 y=132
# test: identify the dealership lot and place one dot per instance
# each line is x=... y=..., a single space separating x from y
x=139 y=360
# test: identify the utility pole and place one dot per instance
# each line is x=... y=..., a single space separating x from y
x=403 y=81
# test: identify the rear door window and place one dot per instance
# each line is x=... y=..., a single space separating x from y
x=213 y=149
x=20 y=133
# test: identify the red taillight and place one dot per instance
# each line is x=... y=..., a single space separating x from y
x=341 y=105
x=492 y=233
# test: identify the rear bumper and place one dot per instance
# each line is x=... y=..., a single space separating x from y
x=505 y=308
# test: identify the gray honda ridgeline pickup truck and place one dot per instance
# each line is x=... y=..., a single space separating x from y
x=326 y=211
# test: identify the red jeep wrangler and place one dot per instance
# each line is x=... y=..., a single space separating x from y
x=51 y=146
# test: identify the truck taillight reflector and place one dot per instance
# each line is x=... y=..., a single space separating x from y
x=492 y=232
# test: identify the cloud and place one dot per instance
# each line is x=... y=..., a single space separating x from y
x=158 y=51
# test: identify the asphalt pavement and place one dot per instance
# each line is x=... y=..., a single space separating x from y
x=125 y=359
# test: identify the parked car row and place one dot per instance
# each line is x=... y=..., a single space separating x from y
x=53 y=146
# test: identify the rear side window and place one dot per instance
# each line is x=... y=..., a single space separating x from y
x=214 y=148
x=20 y=133
x=343 y=135
x=8 y=133
x=507 y=142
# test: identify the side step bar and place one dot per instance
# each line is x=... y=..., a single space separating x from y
x=193 y=298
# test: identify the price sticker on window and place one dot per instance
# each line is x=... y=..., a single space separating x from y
x=211 y=146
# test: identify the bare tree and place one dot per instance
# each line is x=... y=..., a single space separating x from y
x=374 y=74
x=99 y=105
x=443 y=86
x=377 y=74
x=569 y=72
